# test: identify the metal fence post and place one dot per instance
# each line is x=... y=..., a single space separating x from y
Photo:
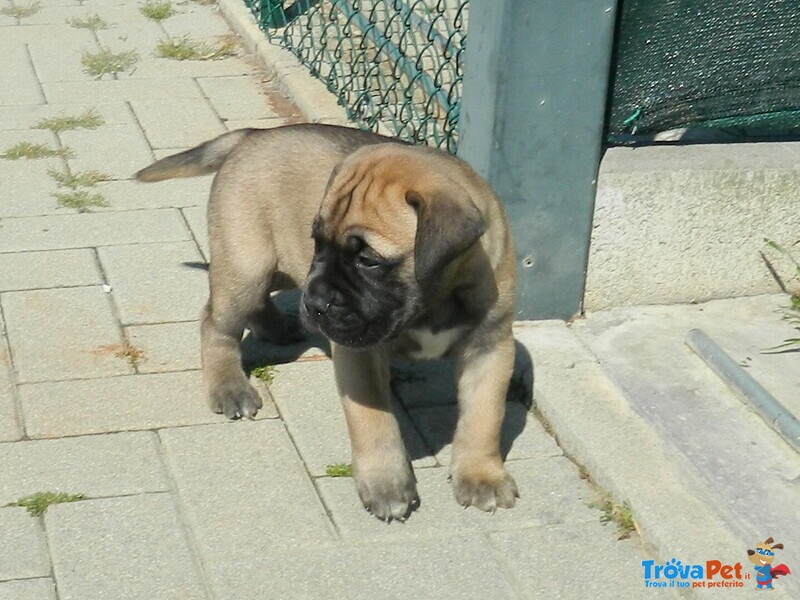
x=534 y=103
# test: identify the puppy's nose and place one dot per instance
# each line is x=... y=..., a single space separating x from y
x=317 y=305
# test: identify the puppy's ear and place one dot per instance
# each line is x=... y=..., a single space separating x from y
x=446 y=227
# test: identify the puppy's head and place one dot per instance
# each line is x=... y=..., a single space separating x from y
x=392 y=219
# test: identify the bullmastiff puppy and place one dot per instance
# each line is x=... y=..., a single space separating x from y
x=400 y=250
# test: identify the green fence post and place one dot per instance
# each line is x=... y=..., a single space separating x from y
x=532 y=118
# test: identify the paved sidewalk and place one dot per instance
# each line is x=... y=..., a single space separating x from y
x=100 y=389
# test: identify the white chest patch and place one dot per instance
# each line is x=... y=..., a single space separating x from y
x=433 y=345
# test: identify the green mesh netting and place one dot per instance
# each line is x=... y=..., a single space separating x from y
x=726 y=64
x=396 y=65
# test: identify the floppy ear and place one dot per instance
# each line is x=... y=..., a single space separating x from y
x=446 y=227
x=779 y=546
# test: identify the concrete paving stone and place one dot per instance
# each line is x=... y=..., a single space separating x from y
x=234 y=124
x=98 y=465
x=168 y=68
x=197 y=22
x=49 y=269
x=552 y=344
x=306 y=395
x=130 y=403
x=569 y=561
x=125 y=89
x=18 y=82
x=551 y=492
x=63 y=333
x=522 y=434
x=244 y=491
x=177 y=193
x=58 y=57
x=134 y=33
x=156 y=283
x=167 y=347
x=122 y=548
x=169 y=123
x=92 y=229
x=28 y=589
x=454 y=568
x=117 y=150
x=196 y=218
x=26 y=117
x=23 y=553
x=27 y=187
x=9 y=425
x=237 y=97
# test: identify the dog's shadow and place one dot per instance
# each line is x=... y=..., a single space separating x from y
x=424 y=390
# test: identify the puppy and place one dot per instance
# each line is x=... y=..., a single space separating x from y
x=404 y=251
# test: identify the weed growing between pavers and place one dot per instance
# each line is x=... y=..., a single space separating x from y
x=265 y=373
x=89 y=119
x=79 y=179
x=106 y=62
x=29 y=151
x=339 y=470
x=94 y=22
x=19 y=11
x=157 y=10
x=185 y=49
x=81 y=200
x=205 y=2
x=792 y=313
x=37 y=503
x=616 y=513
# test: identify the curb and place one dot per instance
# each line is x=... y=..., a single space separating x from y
x=313 y=99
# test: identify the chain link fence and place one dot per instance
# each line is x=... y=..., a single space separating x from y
x=395 y=65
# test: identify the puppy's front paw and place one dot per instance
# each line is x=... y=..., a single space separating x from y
x=484 y=484
x=388 y=493
x=235 y=399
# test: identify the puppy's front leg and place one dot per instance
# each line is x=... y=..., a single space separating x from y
x=478 y=475
x=382 y=471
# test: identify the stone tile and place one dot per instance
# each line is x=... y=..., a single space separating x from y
x=134 y=195
x=306 y=395
x=129 y=403
x=122 y=548
x=122 y=89
x=63 y=333
x=9 y=425
x=118 y=150
x=18 y=83
x=27 y=188
x=234 y=124
x=33 y=32
x=156 y=283
x=170 y=123
x=167 y=68
x=552 y=344
x=460 y=568
x=610 y=568
x=167 y=347
x=48 y=269
x=136 y=33
x=237 y=98
x=26 y=117
x=244 y=491
x=522 y=435
x=58 y=57
x=551 y=492
x=99 y=465
x=196 y=218
x=92 y=229
x=28 y=589
x=197 y=22
x=23 y=553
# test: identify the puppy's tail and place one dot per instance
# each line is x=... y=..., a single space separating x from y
x=205 y=158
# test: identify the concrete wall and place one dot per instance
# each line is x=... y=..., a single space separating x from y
x=686 y=223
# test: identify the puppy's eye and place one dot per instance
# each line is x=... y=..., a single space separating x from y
x=367 y=261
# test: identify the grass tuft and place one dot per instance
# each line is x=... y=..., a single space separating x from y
x=157 y=10
x=205 y=2
x=37 y=503
x=81 y=200
x=106 y=62
x=792 y=313
x=94 y=22
x=89 y=119
x=19 y=11
x=265 y=373
x=339 y=470
x=74 y=181
x=617 y=513
x=30 y=151
x=185 y=49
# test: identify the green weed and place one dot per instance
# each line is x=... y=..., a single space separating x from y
x=106 y=62
x=19 y=11
x=94 y=22
x=37 y=503
x=339 y=470
x=30 y=151
x=89 y=119
x=185 y=49
x=157 y=10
